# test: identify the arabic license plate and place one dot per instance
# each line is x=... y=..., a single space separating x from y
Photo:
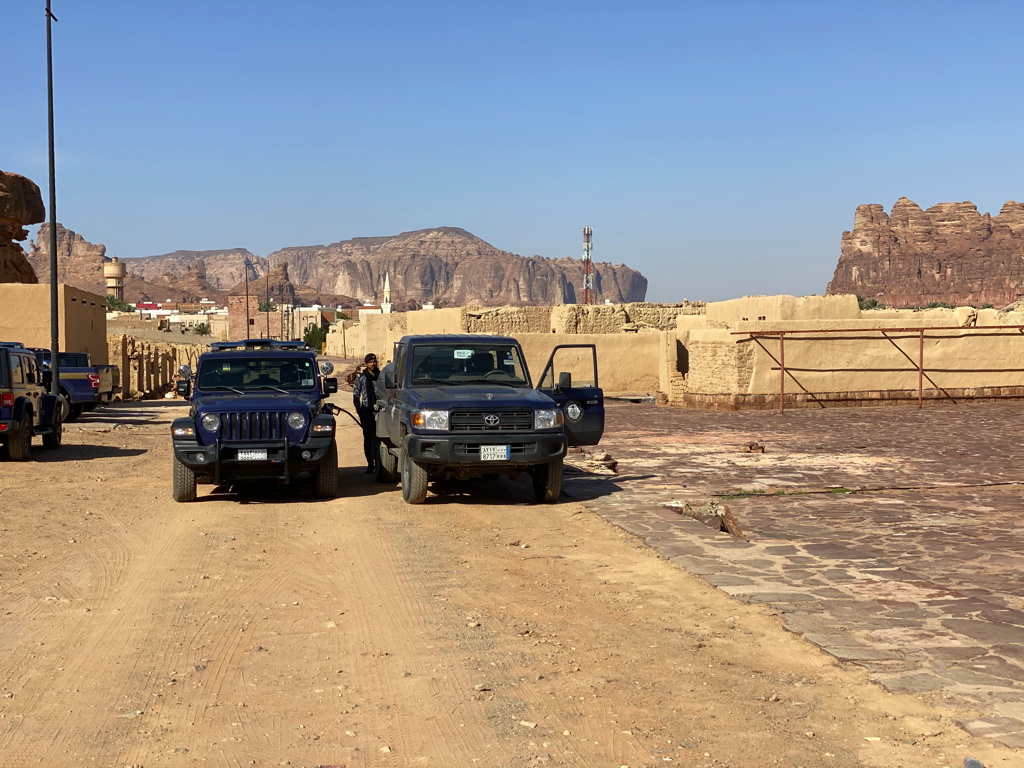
x=494 y=453
x=252 y=454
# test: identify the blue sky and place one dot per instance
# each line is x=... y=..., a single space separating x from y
x=721 y=149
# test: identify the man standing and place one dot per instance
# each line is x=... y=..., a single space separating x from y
x=364 y=397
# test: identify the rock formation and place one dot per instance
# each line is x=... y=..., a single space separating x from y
x=222 y=270
x=948 y=253
x=449 y=265
x=79 y=262
x=20 y=205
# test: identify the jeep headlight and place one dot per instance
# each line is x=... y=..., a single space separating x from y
x=296 y=420
x=210 y=422
x=430 y=419
x=547 y=419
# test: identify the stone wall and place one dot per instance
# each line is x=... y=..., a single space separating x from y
x=81 y=318
x=149 y=369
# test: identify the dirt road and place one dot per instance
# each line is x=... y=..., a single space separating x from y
x=478 y=630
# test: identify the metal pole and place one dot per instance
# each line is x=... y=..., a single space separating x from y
x=782 y=373
x=920 y=369
x=54 y=315
x=245 y=262
x=267 y=305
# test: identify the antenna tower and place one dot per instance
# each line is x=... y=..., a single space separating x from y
x=588 y=267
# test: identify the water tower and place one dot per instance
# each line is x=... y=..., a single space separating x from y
x=113 y=273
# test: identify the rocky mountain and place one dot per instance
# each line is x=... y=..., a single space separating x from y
x=451 y=266
x=21 y=204
x=948 y=253
x=445 y=265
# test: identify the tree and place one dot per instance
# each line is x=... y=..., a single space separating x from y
x=203 y=329
x=267 y=306
x=118 y=305
x=315 y=337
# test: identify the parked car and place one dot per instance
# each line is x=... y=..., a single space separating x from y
x=83 y=386
x=259 y=412
x=27 y=408
x=459 y=406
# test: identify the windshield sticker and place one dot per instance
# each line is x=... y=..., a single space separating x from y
x=463 y=354
x=510 y=362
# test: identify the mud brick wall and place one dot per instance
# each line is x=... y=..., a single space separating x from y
x=149 y=369
x=508 y=321
x=718 y=366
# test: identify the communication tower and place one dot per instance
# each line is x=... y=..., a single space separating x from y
x=588 y=267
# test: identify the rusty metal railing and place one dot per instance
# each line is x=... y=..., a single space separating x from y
x=884 y=331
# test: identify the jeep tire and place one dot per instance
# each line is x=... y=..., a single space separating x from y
x=547 y=481
x=414 y=479
x=53 y=440
x=387 y=464
x=325 y=477
x=183 y=482
x=19 y=444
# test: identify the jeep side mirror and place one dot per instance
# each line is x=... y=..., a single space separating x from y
x=330 y=386
x=565 y=380
x=47 y=377
x=389 y=379
x=182 y=387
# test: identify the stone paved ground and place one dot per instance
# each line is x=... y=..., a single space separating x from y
x=888 y=536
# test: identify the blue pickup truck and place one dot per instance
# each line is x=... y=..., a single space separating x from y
x=83 y=386
x=459 y=406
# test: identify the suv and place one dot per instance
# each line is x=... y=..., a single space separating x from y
x=26 y=408
x=259 y=411
x=458 y=406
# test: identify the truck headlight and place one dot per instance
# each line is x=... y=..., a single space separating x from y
x=210 y=422
x=296 y=420
x=430 y=419
x=547 y=419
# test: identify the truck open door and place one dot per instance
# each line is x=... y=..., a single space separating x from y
x=570 y=379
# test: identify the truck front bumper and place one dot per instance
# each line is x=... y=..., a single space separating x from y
x=464 y=450
x=225 y=462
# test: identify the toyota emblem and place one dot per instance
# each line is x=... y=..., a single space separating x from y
x=491 y=420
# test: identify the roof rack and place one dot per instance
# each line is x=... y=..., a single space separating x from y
x=12 y=344
x=220 y=346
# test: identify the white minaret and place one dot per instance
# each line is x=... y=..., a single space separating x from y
x=386 y=305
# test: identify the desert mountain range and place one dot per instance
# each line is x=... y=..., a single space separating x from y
x=446 y=265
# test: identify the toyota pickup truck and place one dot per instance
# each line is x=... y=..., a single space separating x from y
x=459 y=406
x=83 y=386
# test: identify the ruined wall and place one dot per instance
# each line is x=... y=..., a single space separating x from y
x=508 y=321
x=149 y=369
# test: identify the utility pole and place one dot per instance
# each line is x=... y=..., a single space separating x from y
x=266 y=305
x=588 y=267
x=245 y=261
x=54 y=315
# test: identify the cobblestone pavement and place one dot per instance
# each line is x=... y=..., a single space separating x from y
x=889 y=536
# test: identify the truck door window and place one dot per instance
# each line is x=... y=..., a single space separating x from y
x=17 y=371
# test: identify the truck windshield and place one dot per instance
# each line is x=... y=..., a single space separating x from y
x=468 y=364
x=256 y=373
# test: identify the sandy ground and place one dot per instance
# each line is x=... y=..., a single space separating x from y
x=270 y=629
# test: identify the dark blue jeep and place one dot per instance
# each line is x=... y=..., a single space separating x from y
x=259 y=411
x=456 y=406
x=26 y=406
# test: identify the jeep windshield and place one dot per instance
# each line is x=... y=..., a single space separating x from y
x=250 y=374
x=458 y=364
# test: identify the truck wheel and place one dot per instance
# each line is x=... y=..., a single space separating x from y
x=183 y=482
x=547 y=481
x=387 y=465
x=53 y=440
x=74 y=411
x=325 y=479
x=63 y=405
x=414 y=480
x=19 y=445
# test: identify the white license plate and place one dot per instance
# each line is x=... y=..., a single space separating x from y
x=252 y=454
x=495 y=453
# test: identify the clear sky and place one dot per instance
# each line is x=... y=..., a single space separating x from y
x=719 y=148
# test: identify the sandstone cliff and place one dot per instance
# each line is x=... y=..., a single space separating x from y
x=948 y=253
x=450 y=266
x=79 y=262
x=20 y=205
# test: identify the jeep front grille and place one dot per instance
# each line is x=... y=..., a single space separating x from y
x=491 y=421
x=243 y=427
